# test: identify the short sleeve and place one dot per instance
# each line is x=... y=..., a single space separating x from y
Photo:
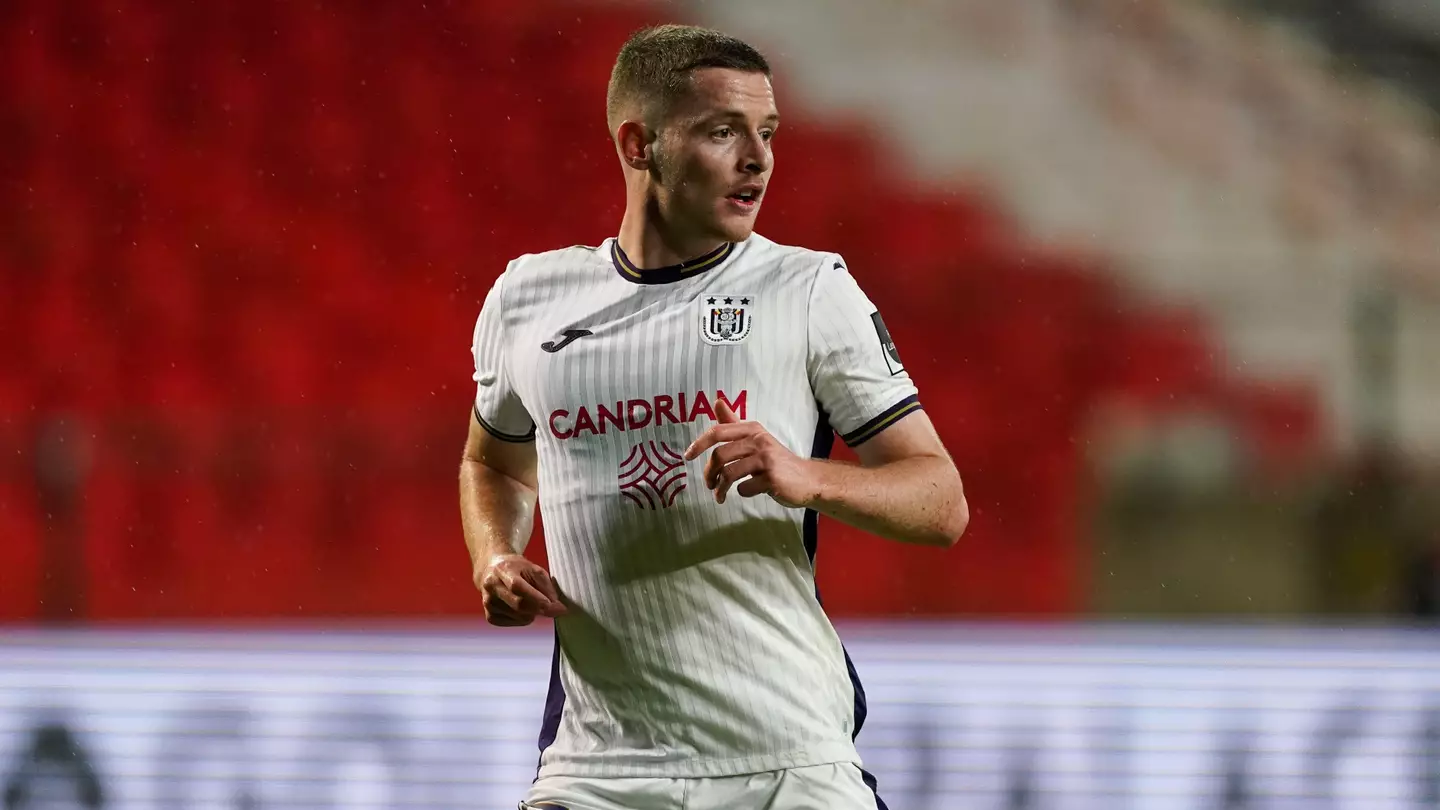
x=497 y=405
x=855 y=370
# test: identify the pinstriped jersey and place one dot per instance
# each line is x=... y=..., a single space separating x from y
x=695 y=644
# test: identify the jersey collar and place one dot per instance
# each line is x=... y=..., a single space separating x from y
x=667 y=275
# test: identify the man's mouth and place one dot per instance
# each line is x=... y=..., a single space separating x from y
x=746 y=196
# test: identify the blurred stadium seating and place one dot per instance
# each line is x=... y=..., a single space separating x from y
x=249 y=246
x=246 y=264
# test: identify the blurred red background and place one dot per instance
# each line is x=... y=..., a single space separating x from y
x=244 y=248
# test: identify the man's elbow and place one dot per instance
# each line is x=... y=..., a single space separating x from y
x=951 y=523
x=957 y=520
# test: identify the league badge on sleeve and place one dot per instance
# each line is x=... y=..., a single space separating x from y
x=887 y=345
x=725 y=319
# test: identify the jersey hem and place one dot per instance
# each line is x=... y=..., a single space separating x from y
x=607 y=766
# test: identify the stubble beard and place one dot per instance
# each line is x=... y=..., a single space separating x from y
x=670 y=203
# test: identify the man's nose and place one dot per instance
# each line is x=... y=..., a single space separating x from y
x=757 y=156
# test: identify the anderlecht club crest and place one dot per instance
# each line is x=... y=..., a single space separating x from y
x=725 y=319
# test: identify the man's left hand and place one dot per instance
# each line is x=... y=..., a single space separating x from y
x=746 y=450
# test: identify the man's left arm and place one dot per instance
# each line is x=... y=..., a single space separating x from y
x=905 y=488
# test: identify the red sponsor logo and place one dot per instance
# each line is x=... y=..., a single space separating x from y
x=652 y=476
x=634 y=414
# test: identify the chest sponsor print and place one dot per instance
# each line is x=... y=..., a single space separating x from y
x=601 y=418
x=652 y=476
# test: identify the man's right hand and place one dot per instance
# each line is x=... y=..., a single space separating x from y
x=516 y=590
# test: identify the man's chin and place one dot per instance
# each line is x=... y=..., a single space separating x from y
x=735 y=229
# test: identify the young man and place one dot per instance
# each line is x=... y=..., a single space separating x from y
x=636 y=389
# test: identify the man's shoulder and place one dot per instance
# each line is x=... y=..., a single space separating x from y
x=559 y=258
x=791 y=258
x=537 y=276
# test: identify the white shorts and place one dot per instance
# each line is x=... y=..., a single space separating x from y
x=838 y=786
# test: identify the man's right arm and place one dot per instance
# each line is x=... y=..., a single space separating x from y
x=498 y=490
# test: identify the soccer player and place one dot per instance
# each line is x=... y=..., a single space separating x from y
x=669 y=397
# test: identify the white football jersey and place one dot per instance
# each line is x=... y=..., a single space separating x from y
x=695 y=644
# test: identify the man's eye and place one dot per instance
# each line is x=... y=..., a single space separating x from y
x=723 y=132
x=767 y=134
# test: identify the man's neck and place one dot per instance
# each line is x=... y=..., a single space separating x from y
x=649 y=244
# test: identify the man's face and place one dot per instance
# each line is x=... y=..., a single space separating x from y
x=712 y=157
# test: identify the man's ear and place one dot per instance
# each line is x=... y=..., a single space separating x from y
x=635 y=140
